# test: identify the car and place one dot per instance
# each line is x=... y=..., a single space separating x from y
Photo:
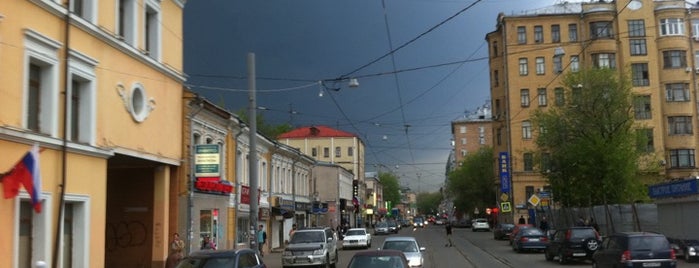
x=439 y=221
x=356 y=237
x=574 y=243
x=635 y=249
x=381 y=228
x=243 y=257
x=409 y=246
x=419 y=222
x=530 y=239
x=516 y=229
x=462 y=223
x=502 y=231
x=311 y=247
x=480 y=224
x=685 y=248
x=393 y=227
x=379 y=259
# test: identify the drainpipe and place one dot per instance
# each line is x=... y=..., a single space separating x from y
x=237 y=184
x=190 y=195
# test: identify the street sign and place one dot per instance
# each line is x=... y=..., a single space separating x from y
x=534 y=200
x=207 y=160
x=505 y=207
x=504 y=197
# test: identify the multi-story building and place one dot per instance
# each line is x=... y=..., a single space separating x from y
x=333 y=183
x=101 y=94
x=374 y=198
x=653 y=41
x=471 y=133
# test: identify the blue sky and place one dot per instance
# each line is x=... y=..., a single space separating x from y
x=406 y=100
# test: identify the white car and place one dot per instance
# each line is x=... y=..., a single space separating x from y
x=356 y=238
x=409 y=246
x=480 y=225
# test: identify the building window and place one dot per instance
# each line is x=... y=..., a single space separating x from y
x=639 y=74
x=126 y=21
x=641 y=107
x=695 y=29
x=242 y=231
x=674 y=59
x=538 y=34
x=85 y=9
x=572 y=32
x=463 y=152
x=350 y=151
x=521 y=35
x=524 y=97
x=556 y=33
x=498 y=136
x=462 y=129
x=152 y=29
x=540 y=66
x=82 y=97
x=638 y=47
x=526 y=130
x=637 y=28
x=557 y=64
x=677 y=92
x=523 y=66
x=541 y=96
x=338 y=151
x=671 y=26
x=75 y=235
x=574 y=63
x=33 y=232
x=528 y=159
x=326 y=152
x=314 y=152
x=682 y=158
x=495 y=49
x=546 y=162
x=604 y=60
x=496 y=78
x=601 y=29
x=646 y=135
x=559 y=94
x=463 y=141
x=679 y=125
x=41 y=92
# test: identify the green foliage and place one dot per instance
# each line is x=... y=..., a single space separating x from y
x=270 y=131
x=428 y=202
x=472 y=185
x=590 y=143
x=391 y=189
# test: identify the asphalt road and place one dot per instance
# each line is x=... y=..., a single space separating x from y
x=472 y=249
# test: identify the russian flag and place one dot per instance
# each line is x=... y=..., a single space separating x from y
x=26 y=173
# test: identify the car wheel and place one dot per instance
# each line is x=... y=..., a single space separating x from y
x=687 y=258
x=562 y=259
x=591 y=245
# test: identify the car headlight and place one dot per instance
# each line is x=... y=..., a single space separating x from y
x=287 y=253
x=318 y=252
x=692 y=250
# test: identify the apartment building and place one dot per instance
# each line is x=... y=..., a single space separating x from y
x=656 y=42
x=95 y=87
x=470 y=133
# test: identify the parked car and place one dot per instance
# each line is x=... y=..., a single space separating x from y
x=480 y=224
x=409 y=246
x=379 y=259
x=312 y=246
x=381 y=228
x=685 y=248
x=530 y=239
x=635 y=249
x=356 y=238
x=243 y=257
x=502 y=231
x=574 y=243
x=462 y=223
x=516 y=229
x=393 y=227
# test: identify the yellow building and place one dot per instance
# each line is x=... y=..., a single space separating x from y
x=95 y=86
x=656 y=42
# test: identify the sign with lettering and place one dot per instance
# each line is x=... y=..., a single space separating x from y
x=504 y=167
x=207 y=160
x=673 y=189
x=213 y=185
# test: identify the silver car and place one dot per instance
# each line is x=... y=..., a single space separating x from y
x=311 y=247
x=409 y=246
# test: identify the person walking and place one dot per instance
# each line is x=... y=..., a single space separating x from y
x=448 y=227
x=544 y=224
x=176 y=247
x=261 y=239
x=522 y=220
x=292 y=231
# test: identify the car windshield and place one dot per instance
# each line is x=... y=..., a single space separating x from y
x=405 y=246
x=648 y=243
x=392 y=223
x=355 y=232
x=582 y=233
x=307 y=237
x=532 y=232
x=507 y=226
x=382 y=224
x=376 y=262
x=207 y=262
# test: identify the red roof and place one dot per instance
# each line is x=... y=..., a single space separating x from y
x=315 y=131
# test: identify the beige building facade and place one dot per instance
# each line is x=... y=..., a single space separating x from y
x=653 y=41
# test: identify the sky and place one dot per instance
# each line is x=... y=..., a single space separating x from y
x=420 y=64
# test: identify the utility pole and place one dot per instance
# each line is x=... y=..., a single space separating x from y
x=252 y=111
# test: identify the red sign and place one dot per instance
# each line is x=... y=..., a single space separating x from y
x=245 y=195
x=215 y=185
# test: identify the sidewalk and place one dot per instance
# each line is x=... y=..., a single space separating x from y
x=273 y=259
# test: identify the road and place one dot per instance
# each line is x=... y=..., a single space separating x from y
x=471 y=250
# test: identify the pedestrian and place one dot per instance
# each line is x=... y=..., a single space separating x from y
x=544 y=224
x=522 y=220
x=293 y=229
x=261 y=239
x=206 y=243
x=448 y=227
x=593 y=224
x=176 y=249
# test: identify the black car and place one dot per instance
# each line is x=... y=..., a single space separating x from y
x=502 y=231
x=243 y=257
x=574 y=243
x=635 y=249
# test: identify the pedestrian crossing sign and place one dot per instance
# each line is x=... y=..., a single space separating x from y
x=505 y=207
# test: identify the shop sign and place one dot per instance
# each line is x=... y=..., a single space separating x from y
x=245 y=195
x=213 y=185
x=207 y=160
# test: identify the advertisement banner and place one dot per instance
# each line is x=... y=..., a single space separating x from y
x=504 y=166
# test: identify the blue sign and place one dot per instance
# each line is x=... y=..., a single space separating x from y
x=504 y=167
x=672 y=189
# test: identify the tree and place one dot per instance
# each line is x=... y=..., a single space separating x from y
x=268 y=130
x=589 y=146
x=427 y=202
x=391 y=189
x=472 y=184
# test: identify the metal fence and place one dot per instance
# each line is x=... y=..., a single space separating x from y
x=608 y=218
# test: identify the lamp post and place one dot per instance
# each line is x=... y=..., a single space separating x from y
x=252 y=110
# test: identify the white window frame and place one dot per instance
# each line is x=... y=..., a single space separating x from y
x=462 y=129
x=523 y=66
x=154 y=34
x=83 y=68
x=41 y=231
x=43 y=51
x=130 y=23
x=526 y=130
x=81 y=231
x=524 y=98
x=671 y=26
x=89 y=10
x=463 y=141
x=541 y=96
x=574 y=63
x=540 y=66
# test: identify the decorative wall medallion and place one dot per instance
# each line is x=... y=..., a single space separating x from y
x=136 y=101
